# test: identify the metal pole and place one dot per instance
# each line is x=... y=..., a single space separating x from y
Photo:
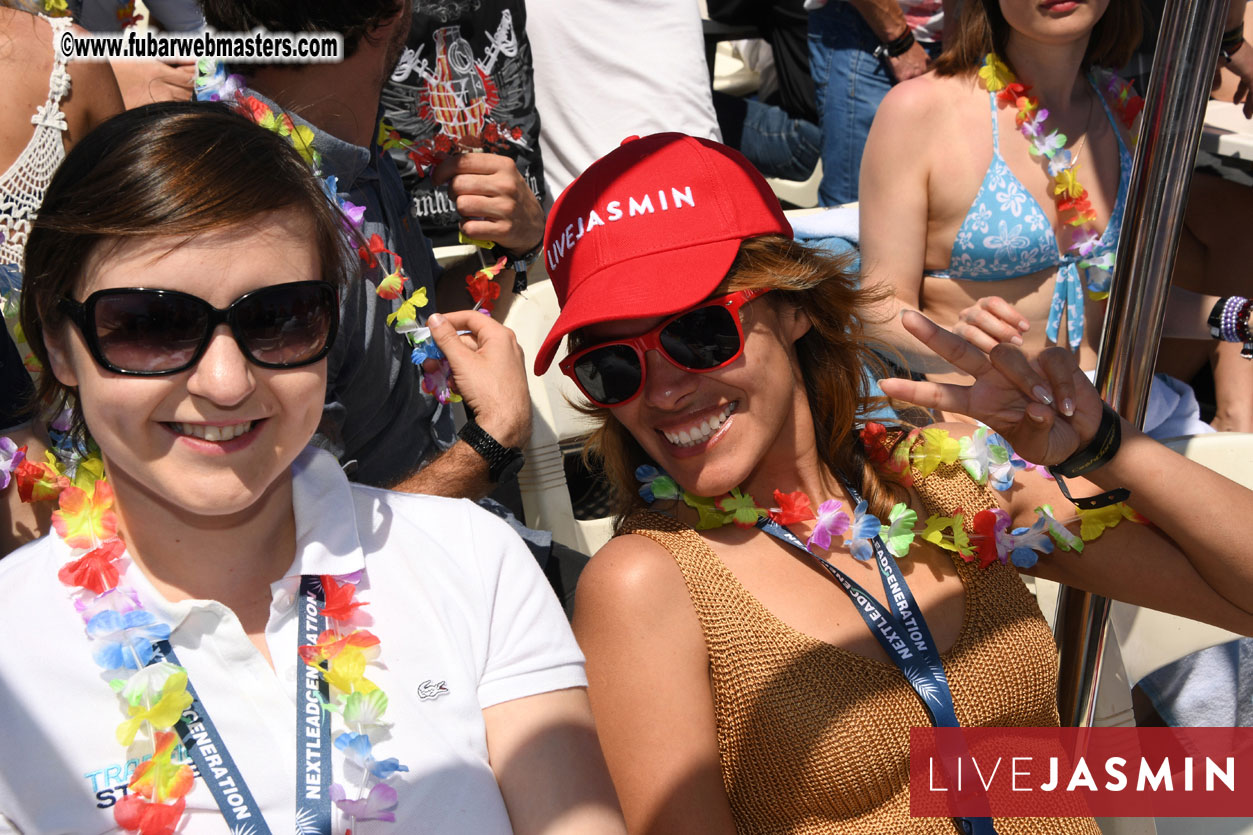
x=1179 y=87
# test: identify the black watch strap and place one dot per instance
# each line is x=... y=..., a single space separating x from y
x=519 y=263
x=896 y=47
x=502 y=461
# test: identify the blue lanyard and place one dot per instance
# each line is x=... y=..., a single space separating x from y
x=902 y=632
x=217 y=768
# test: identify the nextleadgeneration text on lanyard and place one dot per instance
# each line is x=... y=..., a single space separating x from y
x=217 y=768
x=902 y=632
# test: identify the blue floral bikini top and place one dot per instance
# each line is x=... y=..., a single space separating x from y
x=1007 y=235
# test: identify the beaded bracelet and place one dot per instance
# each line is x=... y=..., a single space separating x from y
x=1229 y=322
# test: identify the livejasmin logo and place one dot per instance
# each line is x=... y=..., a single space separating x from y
x=613 y=211
x=1066 y=772
x=1024 y=774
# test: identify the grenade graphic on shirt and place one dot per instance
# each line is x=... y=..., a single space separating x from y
x=459 y=94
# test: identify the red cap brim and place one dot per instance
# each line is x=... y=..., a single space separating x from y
x=630 y=290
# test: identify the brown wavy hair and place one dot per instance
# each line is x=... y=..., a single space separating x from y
x=981 y=28
x=167 y=169
x=354 y=20
x=833 y=355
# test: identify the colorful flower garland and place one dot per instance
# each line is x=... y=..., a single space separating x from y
x=986 y=457
x=153 y=696
x=1073 y=205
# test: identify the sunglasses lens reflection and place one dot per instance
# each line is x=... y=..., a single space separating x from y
x=286 y=325
x=705 y=338
x=149 y=332
x=610 y=374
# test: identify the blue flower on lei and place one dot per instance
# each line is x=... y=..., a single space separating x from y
x=359 y=751
x=123 y=640
x=864 y=528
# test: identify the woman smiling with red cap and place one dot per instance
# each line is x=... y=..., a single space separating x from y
x=736 y=684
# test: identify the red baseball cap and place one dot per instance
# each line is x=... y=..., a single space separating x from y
x=650 y=229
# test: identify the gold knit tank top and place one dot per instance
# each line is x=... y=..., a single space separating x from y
x=814 y=739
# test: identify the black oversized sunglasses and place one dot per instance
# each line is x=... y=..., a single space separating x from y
x=150 y=333
x=703 y=338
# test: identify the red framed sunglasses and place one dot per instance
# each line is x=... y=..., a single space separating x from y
x=700 y=339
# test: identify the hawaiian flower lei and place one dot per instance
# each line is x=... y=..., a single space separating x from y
x=1071 y=197
x=483 y=289
x=480 y=284
x=153 y=696
x=986 y=457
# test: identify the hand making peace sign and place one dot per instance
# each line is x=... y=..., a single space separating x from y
x=1045 y=407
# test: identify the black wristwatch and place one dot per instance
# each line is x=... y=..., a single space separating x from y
x=896 y=47
x=519 y=263
x=503 y=463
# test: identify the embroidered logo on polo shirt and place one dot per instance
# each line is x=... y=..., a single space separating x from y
x=431 y=690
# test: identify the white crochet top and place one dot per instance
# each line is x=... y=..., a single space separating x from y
x=22 y=186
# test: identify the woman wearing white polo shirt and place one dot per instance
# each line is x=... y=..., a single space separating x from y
x=223 y=635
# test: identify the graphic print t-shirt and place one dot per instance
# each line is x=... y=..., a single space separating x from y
x=463 y=82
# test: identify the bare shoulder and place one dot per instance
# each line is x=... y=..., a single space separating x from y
x=632 y=601
x=94 y=96
x=919 y=119
x=631 y=573
x=26 y=43
x=924 y=96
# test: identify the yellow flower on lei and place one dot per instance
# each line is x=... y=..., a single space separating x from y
x=161 y=779
x=1092 y=523
x=996 y=76
x=302 y=138
x=174 y=700
x=709 y=516
x=937 y=447
x=391 y=285
x=1067 y=183
x=347 y=672
x=407 y=314
x=85 y=520
x=935 y=528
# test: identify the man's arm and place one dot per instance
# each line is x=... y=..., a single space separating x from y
x=1241 y=59
x=495 y=204
x=459 y=473
x=489 y=372
x=887 y=21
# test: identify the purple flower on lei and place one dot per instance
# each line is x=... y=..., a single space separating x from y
x=120 y=599
x=11 y=455
x=378 y=805
x=1020 y=546
x=354 y=213
x=831 y=522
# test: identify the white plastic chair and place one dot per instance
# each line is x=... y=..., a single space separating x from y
x=545 y=494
